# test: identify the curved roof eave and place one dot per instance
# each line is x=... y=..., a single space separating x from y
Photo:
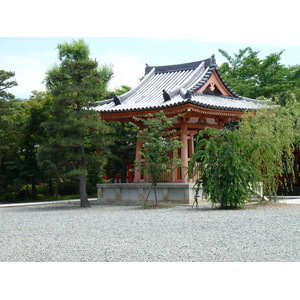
x=183 y=102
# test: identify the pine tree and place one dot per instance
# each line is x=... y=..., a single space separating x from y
x=76 y=135
x=5 y=107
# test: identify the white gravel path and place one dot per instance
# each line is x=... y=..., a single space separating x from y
x=126 y=233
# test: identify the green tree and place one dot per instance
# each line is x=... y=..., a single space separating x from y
x=76 y=136
x=24 y=134
x=159 y=149
x=31 y=135
x=120 y=91
x=5 y=107
x=10 y=134
x=122 y=149
x=222 y=168
x=250 y=76
x=230 y=163
x=272 y=135
x=5 y=85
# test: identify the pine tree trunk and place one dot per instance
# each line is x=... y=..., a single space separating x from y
x=84 y=202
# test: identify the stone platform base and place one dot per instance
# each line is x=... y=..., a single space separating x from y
x=137 y=192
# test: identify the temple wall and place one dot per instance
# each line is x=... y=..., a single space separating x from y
x=137 y=192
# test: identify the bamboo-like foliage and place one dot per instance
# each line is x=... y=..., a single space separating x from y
x=272 y=137
x=222 y=167
x=230 y=163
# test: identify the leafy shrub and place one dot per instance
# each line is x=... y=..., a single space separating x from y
x=222 y=167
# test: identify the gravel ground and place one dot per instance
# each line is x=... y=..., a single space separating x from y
x=126 y=233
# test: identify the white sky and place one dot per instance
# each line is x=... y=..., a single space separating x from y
x=176 y=32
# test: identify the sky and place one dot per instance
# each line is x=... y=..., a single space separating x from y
x=31 y=57
x=126 y=35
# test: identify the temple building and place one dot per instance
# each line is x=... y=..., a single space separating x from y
x=194 y=89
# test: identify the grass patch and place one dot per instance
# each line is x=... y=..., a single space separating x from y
x=63 y=197
x=158 y=206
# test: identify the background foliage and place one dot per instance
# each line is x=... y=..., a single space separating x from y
x=253 y=77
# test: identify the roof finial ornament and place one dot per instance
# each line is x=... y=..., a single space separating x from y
x=117 y=100
x=188 y=95
x=147 y=69
x=166 y=95
x=213 y=60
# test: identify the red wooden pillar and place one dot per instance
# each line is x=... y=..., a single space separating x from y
x=184 y=150
x=138 y=157
x=130 y=173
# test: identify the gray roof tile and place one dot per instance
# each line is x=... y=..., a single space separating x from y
x=180 y=82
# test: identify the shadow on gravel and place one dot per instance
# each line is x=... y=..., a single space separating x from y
x=52 y=208
x=77 y=207
x=203 y=207
x=254 y=205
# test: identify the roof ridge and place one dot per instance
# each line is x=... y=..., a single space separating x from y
x=207 y=76
x=145 y=79
x=181 y=67
x=182 y=85
x=121 y=98
x=227 y=86
x=203 y=80
x=181 y=88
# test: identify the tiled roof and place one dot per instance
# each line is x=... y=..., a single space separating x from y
x=174 y=85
